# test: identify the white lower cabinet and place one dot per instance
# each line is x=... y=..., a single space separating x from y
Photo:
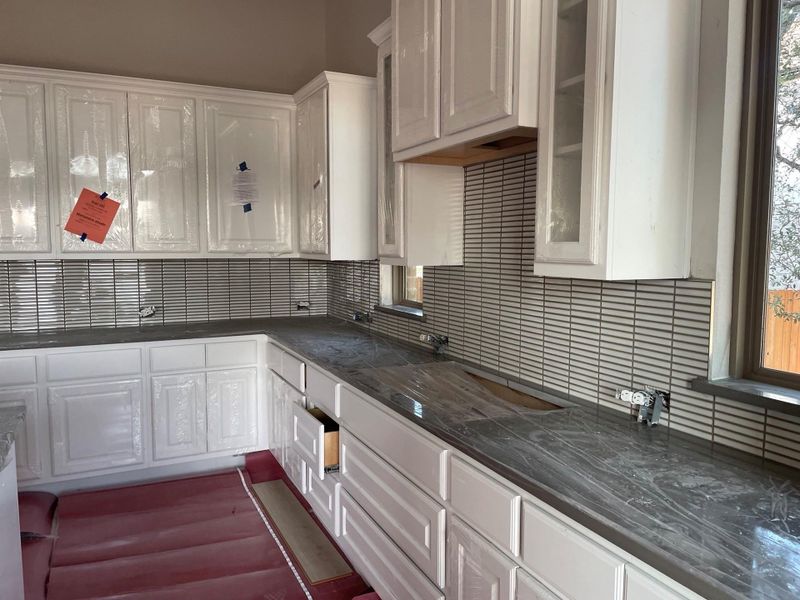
x=323 y=496
x=413 y=520
x=639 y=586
x=297 y=470
x=232 y=410
x=566 y=560
x=96 y=426
x=530 y=589
x=476 y=569
x=179 y=415
x=382 y=564
x=29 y=464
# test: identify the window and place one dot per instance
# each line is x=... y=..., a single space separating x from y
x=401 y=290
x=408 y=290
x=774 y=342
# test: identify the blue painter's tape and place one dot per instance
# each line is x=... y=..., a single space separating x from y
x=104 y=195
x=83 y=237
x=243 y=166
x=247 y=207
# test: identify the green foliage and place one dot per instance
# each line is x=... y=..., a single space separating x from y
x=784 y=251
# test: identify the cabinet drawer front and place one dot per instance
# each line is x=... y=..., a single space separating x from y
x=555 y=552
x=379 y=560
x=294 y=371
x=231 y=354
x=308 y=439
x=186 y=357
x=530 y=589
x=639 y=586
x=20 y=370
x=417 y=457
x=99 y=364
x=409 y=516
x=323 y=496
x=475 y=568
x=275 y=358
x=322 y=391
x=489 y=506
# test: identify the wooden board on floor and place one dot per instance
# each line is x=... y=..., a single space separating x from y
x=317 y=556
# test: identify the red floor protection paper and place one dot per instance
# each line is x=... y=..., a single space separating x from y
x=198 y=538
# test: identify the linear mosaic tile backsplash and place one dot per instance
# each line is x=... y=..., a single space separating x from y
x=73 y=294
x=585 y=338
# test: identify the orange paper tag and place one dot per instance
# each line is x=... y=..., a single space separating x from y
x=92 y=216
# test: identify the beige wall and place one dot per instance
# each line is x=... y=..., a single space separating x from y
x=269 y=45
x=348 y=22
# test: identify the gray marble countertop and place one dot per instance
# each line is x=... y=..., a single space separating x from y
x=716 y=520
x=10 y=418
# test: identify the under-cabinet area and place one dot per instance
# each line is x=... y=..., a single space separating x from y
x=400 y=300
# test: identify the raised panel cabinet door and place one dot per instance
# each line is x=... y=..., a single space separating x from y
x=96 y=426
x=29 y=463
x=416 y=35
x=260 y=136
x=232 y=410
x=179 y=415
x=476 y=570
x=312 y=172
x=163 y=142
x=24 y=225
x=390 y=175
x=92 y=152
x=477 y=62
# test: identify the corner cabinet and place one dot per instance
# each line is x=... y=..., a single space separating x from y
x=261 y=136
x=615 y=179
x=465 y=77
x=336 y=184
x=420 y=207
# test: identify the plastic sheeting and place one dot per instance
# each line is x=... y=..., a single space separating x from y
x=23 y=168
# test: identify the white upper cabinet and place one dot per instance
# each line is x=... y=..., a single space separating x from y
x=259 y=135
x=24 y=223
x=477 y=62
x=92 y=152
x=163 y=143
x=336 y=182
x=312 y=173
x=420 y=207
x=615 y=179
x=416 y=28
x=466 y=78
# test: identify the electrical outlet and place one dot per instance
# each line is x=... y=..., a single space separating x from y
x=303 y=305
x=147 y=311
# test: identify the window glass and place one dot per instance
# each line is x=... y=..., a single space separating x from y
x=781 y=345
x=413 y=285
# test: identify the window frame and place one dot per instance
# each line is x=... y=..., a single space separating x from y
x=766 y=49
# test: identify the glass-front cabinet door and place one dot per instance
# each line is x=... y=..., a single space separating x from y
x=569 y=173
x=390 y=200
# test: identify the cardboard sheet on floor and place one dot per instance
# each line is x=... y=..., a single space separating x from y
x=316 y=555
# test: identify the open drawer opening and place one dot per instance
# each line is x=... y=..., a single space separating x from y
x=316 y=439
